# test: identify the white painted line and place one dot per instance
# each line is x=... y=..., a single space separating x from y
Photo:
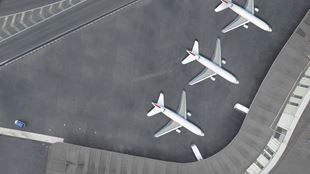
x=12 y=24
x=41 y=13
x=60 y=6
x=29 y=135
x=51 y=9
x=4 y=24
x=70 y=2
x=31 y=18
x=38 y=8
x=22 y=19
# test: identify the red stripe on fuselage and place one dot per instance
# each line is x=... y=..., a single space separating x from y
x=192 y=53
x=157 y=105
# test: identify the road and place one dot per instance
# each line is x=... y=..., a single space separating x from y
x=56 y=26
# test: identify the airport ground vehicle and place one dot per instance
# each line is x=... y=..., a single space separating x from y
x=20 y=123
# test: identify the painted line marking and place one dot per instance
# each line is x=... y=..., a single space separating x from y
x=66 y=33
x=60 y=6
x=31 y=15
x=4 y=24
x=30 y=135
x=13 y=25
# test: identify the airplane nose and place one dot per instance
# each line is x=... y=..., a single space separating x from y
x=270 y=29
x=202 y=134
x=235 y=81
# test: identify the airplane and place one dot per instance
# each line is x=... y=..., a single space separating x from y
x=178 y=119
x=213 y=66
x=246 y=15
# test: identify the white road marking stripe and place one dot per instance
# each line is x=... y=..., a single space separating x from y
x=60 y=5
x=29 y=135
x=13 y=25
x=41 y=13
x=22 y=20
x=31 y=15
x=51 y=9
x=4 y=24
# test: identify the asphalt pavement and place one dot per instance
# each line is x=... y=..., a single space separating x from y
x=95 y=86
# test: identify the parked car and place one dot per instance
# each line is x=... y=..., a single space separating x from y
x=19 y=123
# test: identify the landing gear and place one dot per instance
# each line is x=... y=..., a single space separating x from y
x=178 y=130
x=224 y=61
x=245 y=26
x=212 y=78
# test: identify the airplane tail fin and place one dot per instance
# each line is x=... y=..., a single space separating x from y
x=192 y=54
x=223 y=5
x=157 y=106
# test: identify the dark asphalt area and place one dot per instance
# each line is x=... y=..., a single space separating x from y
x=19 y=156
x=95 y=86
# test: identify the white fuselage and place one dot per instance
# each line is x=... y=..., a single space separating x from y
x=250 y=17
x=180 y=120
x=217 y=69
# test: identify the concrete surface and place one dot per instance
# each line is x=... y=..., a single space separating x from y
x=20 y=156
x=297 y=156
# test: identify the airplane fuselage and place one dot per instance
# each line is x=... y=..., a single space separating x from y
x=250 y=17
x=217 y=69
x=180 y=120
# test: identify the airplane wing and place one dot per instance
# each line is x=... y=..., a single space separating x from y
x=182 y=105
x=239 y=21
x=217 y=57
x=249 y=6
x=206 y=73
x=170 y=126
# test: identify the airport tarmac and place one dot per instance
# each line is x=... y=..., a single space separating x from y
x=95 y=86
x=22 y=156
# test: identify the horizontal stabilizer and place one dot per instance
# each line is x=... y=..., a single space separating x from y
x=153 y=112
x=192 y=54
x=157 y=106
x=188 y=59
x=221 y=7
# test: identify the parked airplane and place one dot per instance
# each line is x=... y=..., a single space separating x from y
x=212 y=67
x=246 y=15
x=178 y=119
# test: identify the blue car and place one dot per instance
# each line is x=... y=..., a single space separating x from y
x=19 y=123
